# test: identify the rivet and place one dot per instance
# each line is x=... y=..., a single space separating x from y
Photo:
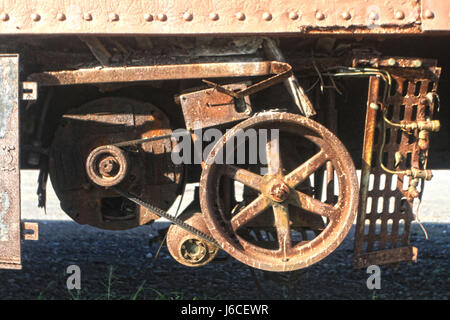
x=373 y=15
x=148 y=17
x=162 y=17
x=214 y=16
x=35 y=17
x=428 y=14
x=267 y=16
x=240 y=16
x=61 y=16
x=399 y=15
x=320 y=15
x=188 y=16
x=87 y=16
x=113 y=17
x=391 y=62
x=417 y=63
x=293 y=15
x=346 y=15
x=4 y=16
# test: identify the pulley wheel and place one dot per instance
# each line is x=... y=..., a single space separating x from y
x=187 y=248
x=277 y=192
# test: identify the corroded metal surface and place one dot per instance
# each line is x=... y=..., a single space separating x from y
x=165 y=72
x=187 y=248
x=386 y=209
x=206 y=108
x=9 y=163
x=209 y=18
x=272 y=197
x=435 y=15
x=151 y=174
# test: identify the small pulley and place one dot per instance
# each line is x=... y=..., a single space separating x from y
x=187 y=248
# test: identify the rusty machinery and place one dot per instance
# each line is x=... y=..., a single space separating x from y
x=283 y=222
x=109 y=160
x=111 y=168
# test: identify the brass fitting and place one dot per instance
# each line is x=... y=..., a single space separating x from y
x=433 y=125
x=424 y=140
x=420 y=174
x=412 y=189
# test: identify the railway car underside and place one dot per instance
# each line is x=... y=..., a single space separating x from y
x=106 y=119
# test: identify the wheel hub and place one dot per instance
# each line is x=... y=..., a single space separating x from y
x=277 y=190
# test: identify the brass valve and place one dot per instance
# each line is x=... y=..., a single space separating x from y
x=420 y=174
x=433 y=125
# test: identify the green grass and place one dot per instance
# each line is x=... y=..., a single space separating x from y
x=112 y=288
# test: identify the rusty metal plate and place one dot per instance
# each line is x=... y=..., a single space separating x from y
x=200 y=17
x=435 y=15
x=164 y=72
x=207 y=108
x=386 y=208
x=9 y=163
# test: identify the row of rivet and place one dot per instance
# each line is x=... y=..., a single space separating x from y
x=267 y=16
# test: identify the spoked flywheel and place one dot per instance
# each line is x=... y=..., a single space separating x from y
x=277 y=193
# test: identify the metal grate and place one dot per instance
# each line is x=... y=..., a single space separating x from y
x=386 y=208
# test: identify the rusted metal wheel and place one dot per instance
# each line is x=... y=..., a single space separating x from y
x=278 y=194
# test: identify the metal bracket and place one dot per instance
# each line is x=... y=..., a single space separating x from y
x=28 y=90
x=30 y=231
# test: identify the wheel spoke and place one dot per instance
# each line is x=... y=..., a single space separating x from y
x=281 y=213
x=310 y=204
x=249 y=212
x=273 y=154
x=248 y=178
x=298 y=175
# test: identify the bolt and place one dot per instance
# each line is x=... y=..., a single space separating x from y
x=188 y=16
x=162 y=17
x=399 y=15
x=87 y=16
x=214 y=16
x=391 y=62
x=428 y=14
x=148 y=17
x=35 y=17
x=113 y=17
x=293 y=15
x=267 y=16
x=61 y=16
x=240 y=16
x=346 y=15
x=279 y=191
x=320 y=15
x=4 y=16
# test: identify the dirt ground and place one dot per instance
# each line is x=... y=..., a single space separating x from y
x=121 y=265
